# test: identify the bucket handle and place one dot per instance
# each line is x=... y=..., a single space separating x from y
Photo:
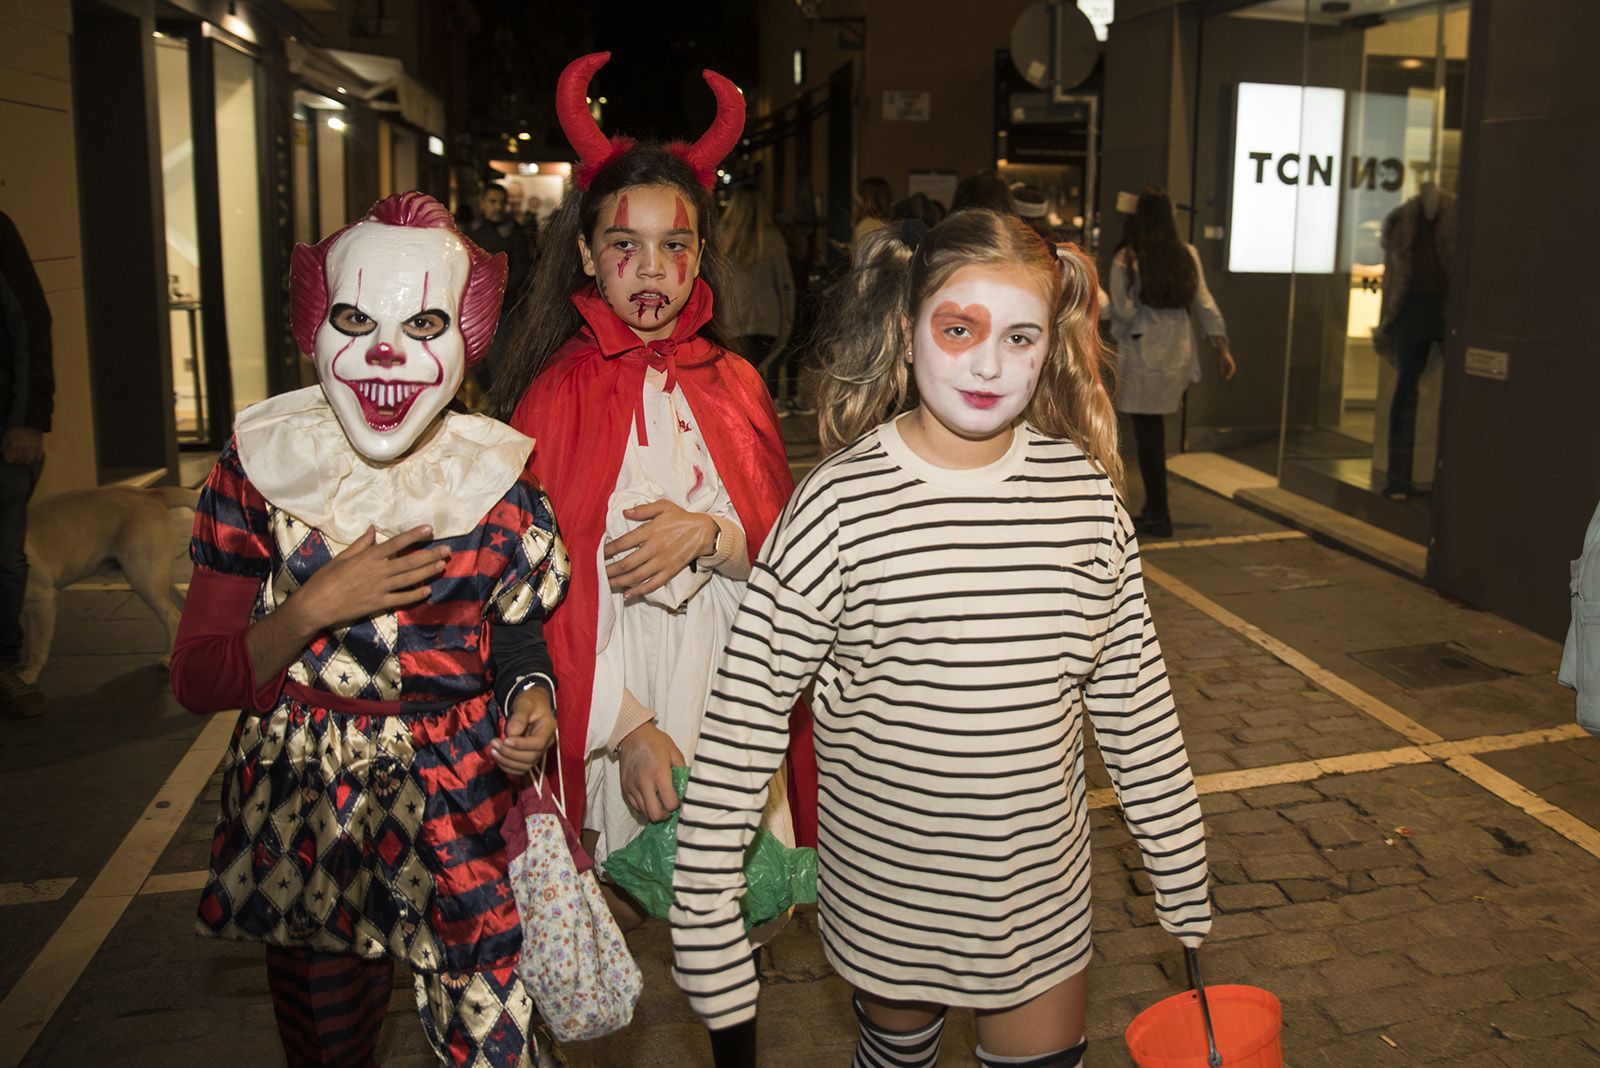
x=1213 y=1058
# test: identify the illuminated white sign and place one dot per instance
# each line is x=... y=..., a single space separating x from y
x=1287 y=173
x=1100 y=14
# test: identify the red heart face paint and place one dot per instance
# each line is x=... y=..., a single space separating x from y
x=978 y=346
x=957 y=329
x=645 y=256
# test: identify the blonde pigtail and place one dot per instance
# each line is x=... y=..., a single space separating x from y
x=864 y=343
x=1073 y=397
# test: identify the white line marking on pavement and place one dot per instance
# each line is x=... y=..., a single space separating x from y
x=32 y=892
x=1428 y=744
x=1227 y=782
x=175 y=881
x=1348 y=692
x=1231 y=539
x=51 y=975
x=1554 y=817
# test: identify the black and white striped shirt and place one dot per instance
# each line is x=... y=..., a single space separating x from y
x=958 y=623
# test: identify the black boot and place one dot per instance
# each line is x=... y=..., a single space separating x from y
x=734 y=1047
x=1153 y=526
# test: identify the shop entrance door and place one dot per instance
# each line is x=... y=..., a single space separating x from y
x=125 y=280
x=185 y=309
x=210 y=112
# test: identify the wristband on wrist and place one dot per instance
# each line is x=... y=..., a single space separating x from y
x=528 y=682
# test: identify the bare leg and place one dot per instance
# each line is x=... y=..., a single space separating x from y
x=898 y=1015
x=1052 y=1021
x=629 y=914
x=897 y=1034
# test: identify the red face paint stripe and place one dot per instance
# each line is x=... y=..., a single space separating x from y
x=680 y=217
x=621 y=218
x=681 y=261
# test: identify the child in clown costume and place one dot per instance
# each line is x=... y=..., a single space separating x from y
x=661 y=450
x=371 y=573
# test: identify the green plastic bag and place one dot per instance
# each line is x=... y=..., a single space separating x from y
x=777 y=875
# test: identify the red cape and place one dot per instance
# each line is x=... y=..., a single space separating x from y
x=580 y=412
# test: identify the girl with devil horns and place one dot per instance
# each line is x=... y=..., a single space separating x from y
x=661 y=450
x=361 y=556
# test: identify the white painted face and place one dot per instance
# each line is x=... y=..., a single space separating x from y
x=978 y=347
x=390 y=354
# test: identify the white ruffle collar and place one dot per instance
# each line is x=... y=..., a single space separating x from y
x=295 y=452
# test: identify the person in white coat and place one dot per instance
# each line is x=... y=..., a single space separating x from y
x=1156 y=286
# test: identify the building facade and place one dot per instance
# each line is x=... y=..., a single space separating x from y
x=1385 y=192
x=171 y=154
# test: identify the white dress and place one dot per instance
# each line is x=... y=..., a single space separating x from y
x=1157 y=359
x=663 y=648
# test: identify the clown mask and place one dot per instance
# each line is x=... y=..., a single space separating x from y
x=390 y=353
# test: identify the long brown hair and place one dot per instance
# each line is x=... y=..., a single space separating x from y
x=1165 y=268
x=545 y=319
x=866 y=380
x=746 y=227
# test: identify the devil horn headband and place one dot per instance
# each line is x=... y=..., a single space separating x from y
x=595 y=150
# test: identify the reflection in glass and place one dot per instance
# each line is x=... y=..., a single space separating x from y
x=1365 y=360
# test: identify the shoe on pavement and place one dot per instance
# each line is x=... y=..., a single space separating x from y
x=785 y=410
x=803 y=408
x=19 y=698
x=1153 y=526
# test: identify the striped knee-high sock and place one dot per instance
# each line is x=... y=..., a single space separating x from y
x=877 y=1048
x=330 y=1006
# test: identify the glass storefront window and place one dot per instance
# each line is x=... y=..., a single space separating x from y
x=239 y=194
x=185 y=310
x=1328 y=196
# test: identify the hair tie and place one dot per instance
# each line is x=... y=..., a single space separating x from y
x=912 y=232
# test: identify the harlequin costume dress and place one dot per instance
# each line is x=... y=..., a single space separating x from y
x=361 y=806
x=606 y=410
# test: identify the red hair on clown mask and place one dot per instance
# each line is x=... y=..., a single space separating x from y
x=479 y=311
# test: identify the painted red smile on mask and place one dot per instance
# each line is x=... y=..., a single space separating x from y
x=385 y=403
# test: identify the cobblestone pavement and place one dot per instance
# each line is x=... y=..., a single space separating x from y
x=1407 y=858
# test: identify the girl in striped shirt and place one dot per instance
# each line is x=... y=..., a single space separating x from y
x=960 y=585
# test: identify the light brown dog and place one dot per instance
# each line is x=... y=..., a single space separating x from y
x=138 y=533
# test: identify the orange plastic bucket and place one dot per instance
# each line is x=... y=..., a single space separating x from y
x=1246 y=1020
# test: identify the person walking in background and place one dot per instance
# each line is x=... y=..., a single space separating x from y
x=873 y=201
x=495 y=229
x=983 y=190
x=918 y=206
x=1156 y=285
x=27 y=391
x=761 y=297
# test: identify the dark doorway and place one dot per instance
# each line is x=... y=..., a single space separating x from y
x=124 y=254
